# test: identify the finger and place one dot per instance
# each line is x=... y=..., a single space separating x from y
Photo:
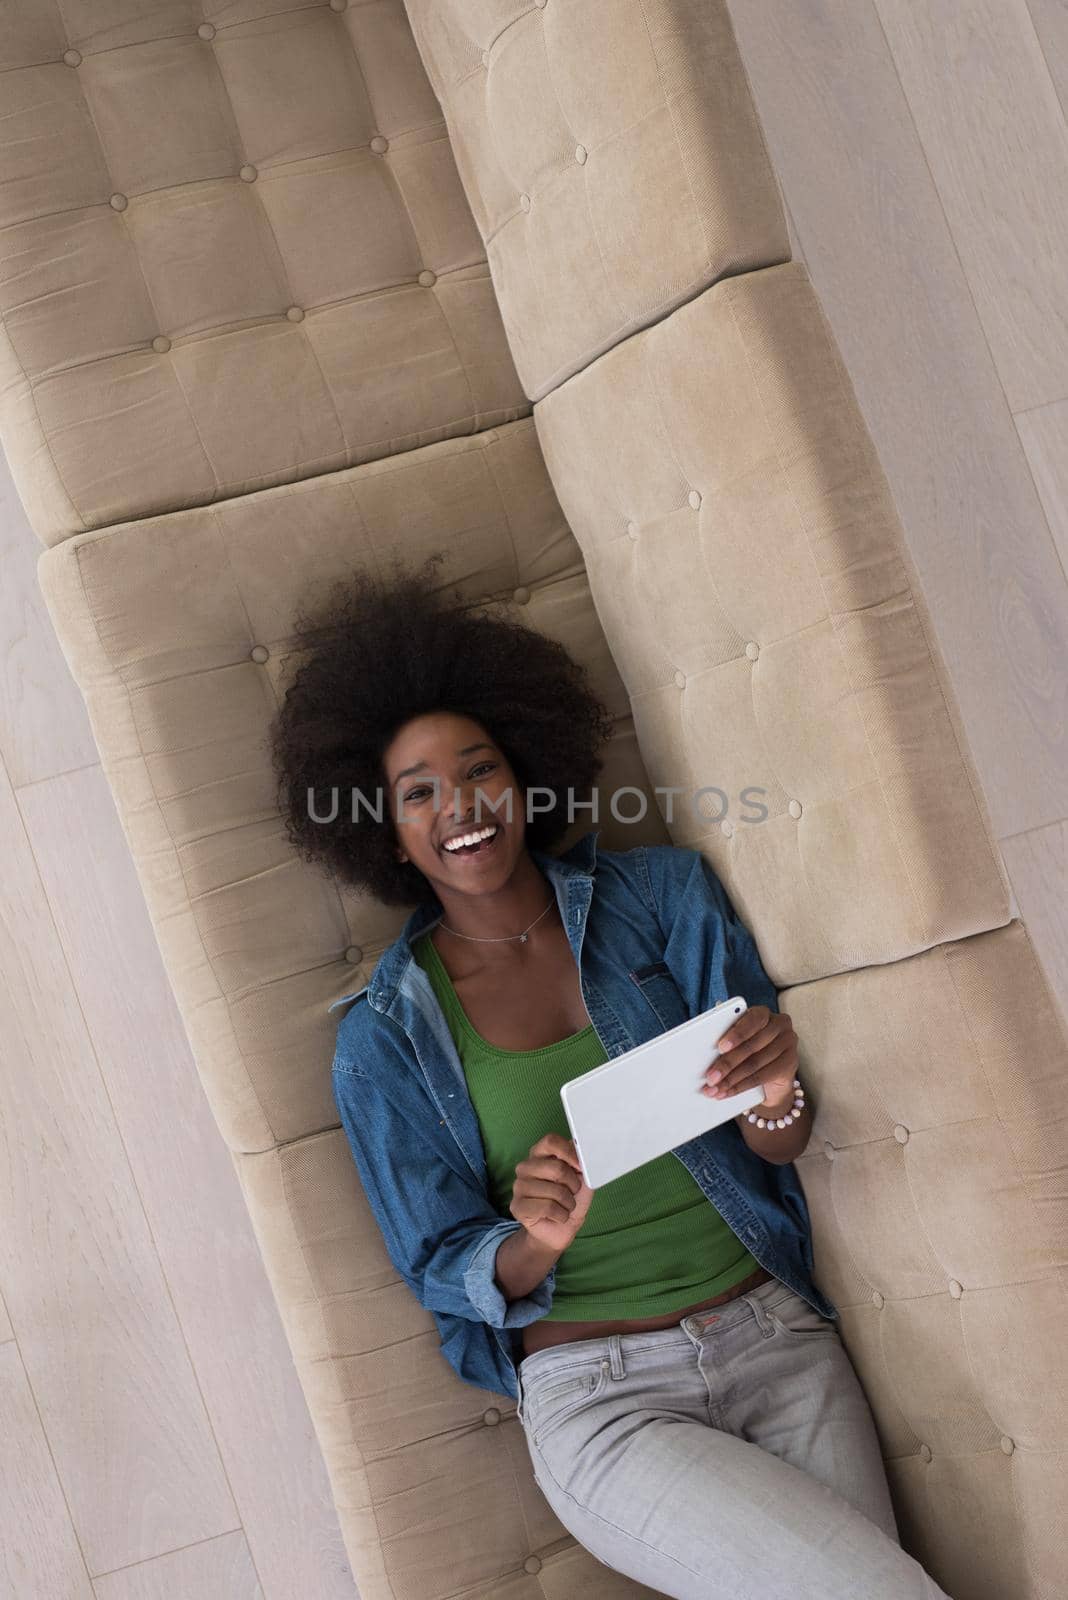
x=770 y=1062
x=730 y=1059
x=750 y=1021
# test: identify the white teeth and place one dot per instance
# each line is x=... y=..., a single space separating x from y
x=470 y=838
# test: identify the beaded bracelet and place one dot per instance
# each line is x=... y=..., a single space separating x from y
x=781 y=1122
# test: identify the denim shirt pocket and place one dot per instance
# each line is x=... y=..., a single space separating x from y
x=662 y=992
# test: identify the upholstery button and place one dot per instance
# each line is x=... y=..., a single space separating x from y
x=632 y=529
x=428 y=279
x=295 y=314
x=694 y=498
x=828 y=1149
x=353 y=954
x=248 y=173
x=259 y=652
x=521 y=595
x=726 y=827
x=580 y=153
x=524 y=201
x=541 y=4
x=73 y=58
x=161 y=344
x=119 y=202
x=1007 y=1444
x=532 y=1564
x=379 y=145
x=752 y=650
x=877 y=1300
x=794 y=808
x=925 y=1451
x=491 y=1417
x=206 y=30
x=901 y=1134
x=680 y=679
x=956 y=1289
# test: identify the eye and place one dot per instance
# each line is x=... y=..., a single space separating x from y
x=423 y=789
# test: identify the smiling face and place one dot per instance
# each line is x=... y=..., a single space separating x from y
x=446 y=776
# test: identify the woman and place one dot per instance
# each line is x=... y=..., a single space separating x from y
x=690 y=1411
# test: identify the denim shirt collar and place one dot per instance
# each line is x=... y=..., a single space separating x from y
x=565 y=872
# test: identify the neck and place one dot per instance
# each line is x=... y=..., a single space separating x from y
x=502 y=913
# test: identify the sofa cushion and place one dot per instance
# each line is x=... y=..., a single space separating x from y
x=613 y=159
x=750 y=570
x=233 y=257
x=176 y=628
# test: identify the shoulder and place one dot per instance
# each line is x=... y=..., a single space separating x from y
x=655 y=873
x=363 y=1037
x=670 y=864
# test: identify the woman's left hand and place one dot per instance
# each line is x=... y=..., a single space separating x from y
x=760 y=1049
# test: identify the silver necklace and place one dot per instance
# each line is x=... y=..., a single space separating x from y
x=522 y=937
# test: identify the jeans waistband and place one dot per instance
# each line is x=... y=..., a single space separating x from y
x=726 y=1315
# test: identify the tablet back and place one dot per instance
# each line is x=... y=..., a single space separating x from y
x=645 y=1102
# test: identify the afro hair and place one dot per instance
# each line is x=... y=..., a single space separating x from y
x=378 y=653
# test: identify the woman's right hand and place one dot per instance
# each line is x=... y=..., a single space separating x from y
x=551 y=1197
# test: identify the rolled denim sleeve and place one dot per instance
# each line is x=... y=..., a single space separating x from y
x=440 y=1230
x=484 y=1292
x=706 y=937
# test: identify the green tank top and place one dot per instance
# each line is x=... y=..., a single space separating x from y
x=652 y=1242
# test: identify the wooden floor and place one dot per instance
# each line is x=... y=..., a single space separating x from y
x=155 y=1440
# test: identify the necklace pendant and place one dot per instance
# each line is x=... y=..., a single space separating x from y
x=522 y=938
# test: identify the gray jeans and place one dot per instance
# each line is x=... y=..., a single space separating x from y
x=731 y=1455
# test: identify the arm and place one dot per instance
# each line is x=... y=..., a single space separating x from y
x=440 y=1231
x=705 y=933
x=780 y=1145
x=522 y=1263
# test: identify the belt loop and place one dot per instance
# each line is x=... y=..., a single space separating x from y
x=615 y=1351
x=763 y=1321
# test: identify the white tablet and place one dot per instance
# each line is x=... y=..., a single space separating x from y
x=643 y=1103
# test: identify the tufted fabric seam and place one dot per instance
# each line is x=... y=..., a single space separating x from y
x=678 y=141
x=31 y=389
x=845 y=404
x=944 y=950
x=476 y=414
x=333 y=1366
x=908 y=568
x=488 y=238
x=174 y=848
x=488 y=463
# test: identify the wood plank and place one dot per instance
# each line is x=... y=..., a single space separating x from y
x=44 y=726
x=218 y=1569
x=39 y=1552
x=993 y=132
x=1044 y=434
x=1050 y=21
x=190 y=1191
x=101 y=1344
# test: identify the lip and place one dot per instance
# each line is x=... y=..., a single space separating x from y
x=481 y=855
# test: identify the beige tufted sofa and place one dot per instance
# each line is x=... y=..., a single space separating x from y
x=288 y=287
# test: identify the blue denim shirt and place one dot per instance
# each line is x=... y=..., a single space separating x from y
x=656 y=941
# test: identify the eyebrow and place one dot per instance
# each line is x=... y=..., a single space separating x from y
x=420 y=765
